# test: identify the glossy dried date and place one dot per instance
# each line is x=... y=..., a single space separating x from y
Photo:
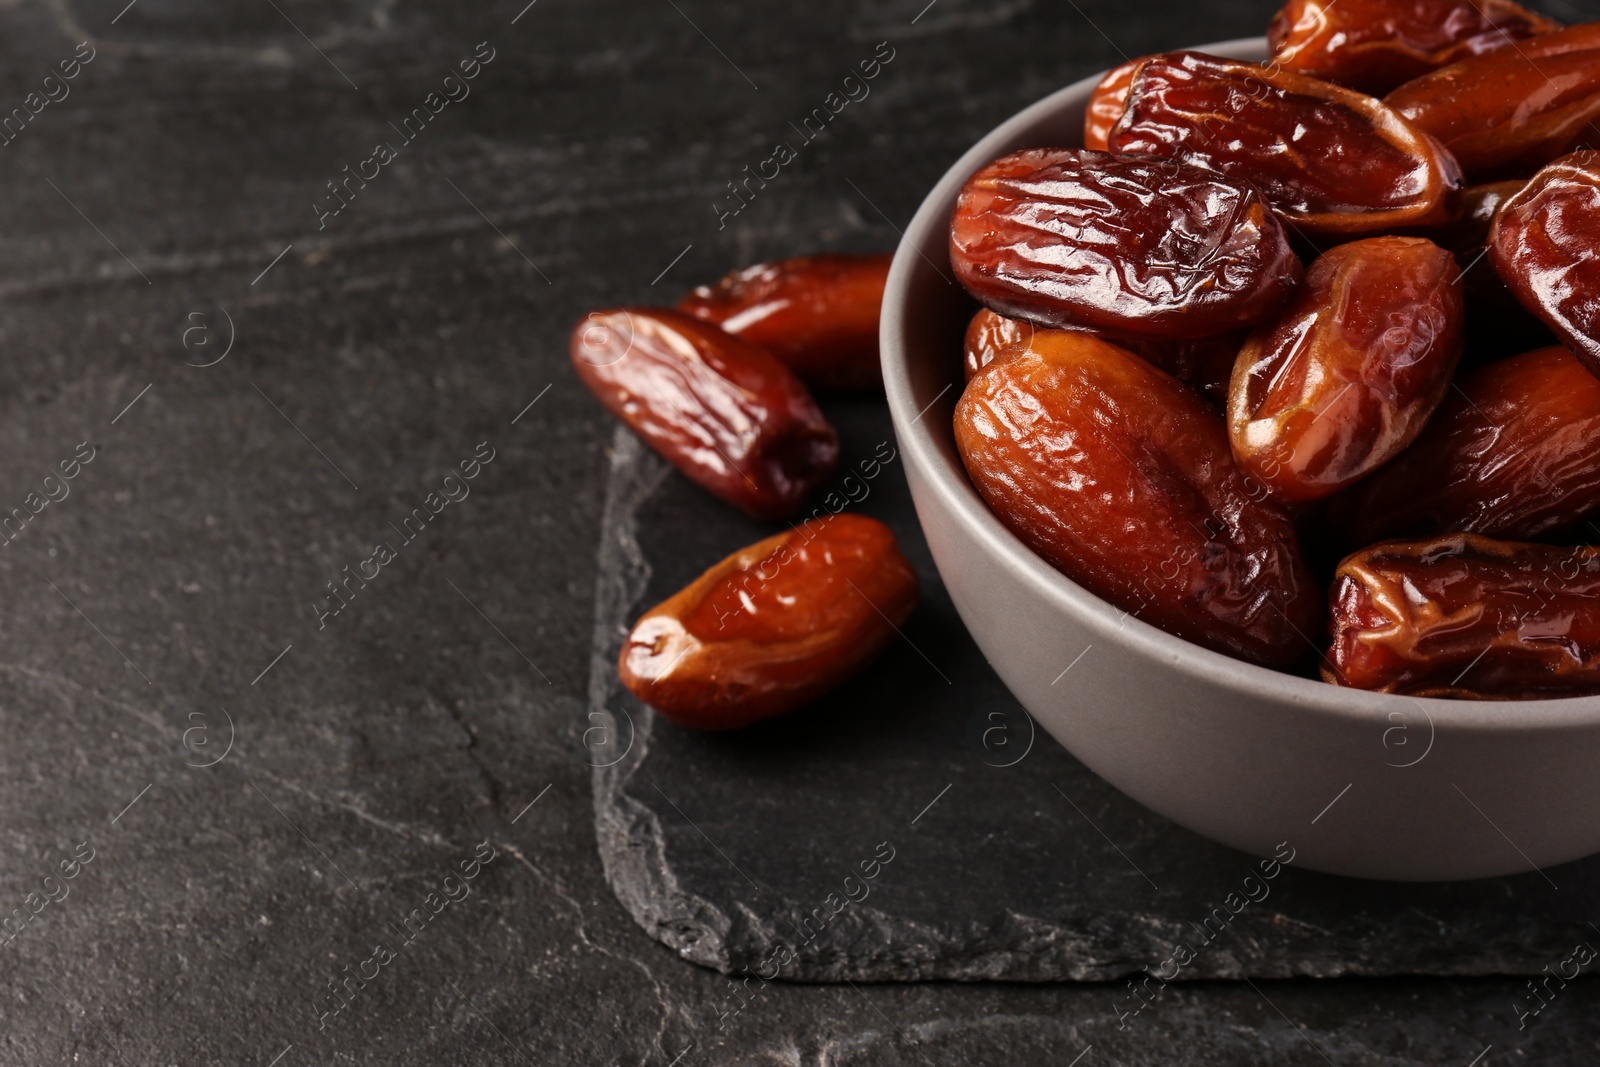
x=1468 y=236
x=1497 y=324
x=818 y=314
x=988 y=335
x=1376 y=45
x=1206 y=363
x=1466 y=616
x=773 y=626
x=1332 y=161
x=1513 y=452
x=1515 y=110
x=725 y=412
x=1544 y=248
x=1350 y=371
x=1120 y=477
x=1106 y=105
x=1079 y=239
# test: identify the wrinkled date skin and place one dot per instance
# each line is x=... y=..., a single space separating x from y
x=1349 y=373
x=723 y=411
x=1205 y=363
x=1374 y=46
x=1546 y=248
x=1513 y=452
x=1512 y=111
x=1468 y=617
x=1106 y=105
x=1070 y=238
x=1120 y=477
x=1333 y=162
x=773 y=626
x=818 y=314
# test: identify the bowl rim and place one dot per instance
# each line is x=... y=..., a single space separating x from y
x=948 y=480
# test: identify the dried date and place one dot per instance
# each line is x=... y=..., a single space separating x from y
x=1513 y=452
x=1120 y=477
x=1543 y=246
x=1070 y=238
x=1468 y=236
x=773 y=626
x=1497 y=324
x=818 y=314
x=724 y=411
x=1206 y=363
x=1514 y=110
x=1350 y=371
x=1374 y=46
x=1106 y=105
x=1467 y=616
x=1332 y=161
x=988 y=336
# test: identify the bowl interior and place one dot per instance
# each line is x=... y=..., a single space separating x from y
x=925 y=312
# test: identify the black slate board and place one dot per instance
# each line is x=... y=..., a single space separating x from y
x=1010 y=861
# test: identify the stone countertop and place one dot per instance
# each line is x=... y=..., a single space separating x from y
x=228 y=385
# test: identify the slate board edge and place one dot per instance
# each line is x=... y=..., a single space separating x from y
x=629 y=837
x=866 y=944
x=632 y=845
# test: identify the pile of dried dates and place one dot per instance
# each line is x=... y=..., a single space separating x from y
x=1335 y=316
x=1325 y=323
x=721 y=387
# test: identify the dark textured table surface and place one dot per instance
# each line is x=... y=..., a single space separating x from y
x=262 y=787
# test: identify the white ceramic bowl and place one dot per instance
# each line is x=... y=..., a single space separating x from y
x=1363 y=784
